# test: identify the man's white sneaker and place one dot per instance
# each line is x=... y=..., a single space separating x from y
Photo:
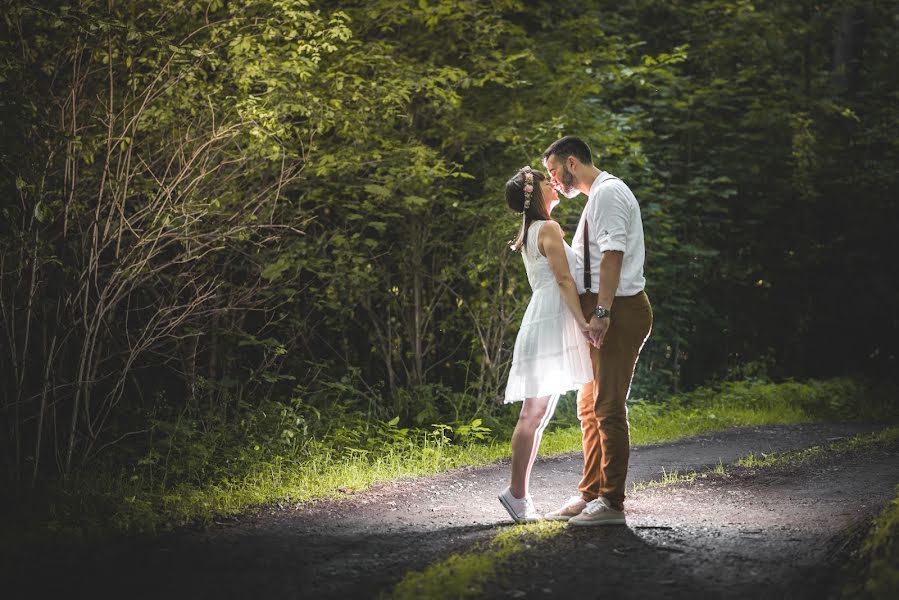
x=520 y=509
x=572 y=508
x=598 y=512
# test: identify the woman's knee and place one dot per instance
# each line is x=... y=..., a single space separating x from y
x=532 y=414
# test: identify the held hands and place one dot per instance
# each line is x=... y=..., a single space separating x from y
x=596 y=330
x=585 y=329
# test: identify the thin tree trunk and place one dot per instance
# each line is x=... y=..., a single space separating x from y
x=849 y=38
x=416 y=283
x=391 y=374
x=21 y=384
x=43 y=411
x=676 y=369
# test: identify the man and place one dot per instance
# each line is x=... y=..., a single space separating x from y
x=609 y=275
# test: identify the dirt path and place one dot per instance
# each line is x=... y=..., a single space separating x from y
x=733 y=537
x=779 y=533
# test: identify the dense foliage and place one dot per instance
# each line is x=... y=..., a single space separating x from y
x=234 y=211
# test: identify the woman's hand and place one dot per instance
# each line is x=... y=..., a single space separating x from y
x=597 y=329
x=584 y=326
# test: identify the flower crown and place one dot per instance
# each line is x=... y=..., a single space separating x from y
x=528 y=187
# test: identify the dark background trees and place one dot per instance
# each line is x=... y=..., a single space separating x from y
x=211 y=208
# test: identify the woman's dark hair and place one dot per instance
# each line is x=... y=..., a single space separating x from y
x=536 y=210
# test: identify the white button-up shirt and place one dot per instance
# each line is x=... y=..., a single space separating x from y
x=615 y=223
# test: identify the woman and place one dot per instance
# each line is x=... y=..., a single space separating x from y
x=551 y=354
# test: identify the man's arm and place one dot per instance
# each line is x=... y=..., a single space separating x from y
x=609 y=276
x=611 y=219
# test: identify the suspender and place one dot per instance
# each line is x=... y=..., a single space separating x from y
x=588 y=276
x=587 y=271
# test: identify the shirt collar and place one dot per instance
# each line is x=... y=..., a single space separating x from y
x=603 y=176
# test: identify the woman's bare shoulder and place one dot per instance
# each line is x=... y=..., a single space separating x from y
x=551 y=228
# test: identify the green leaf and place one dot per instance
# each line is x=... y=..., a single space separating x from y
x=41 y=213
x=273 y=271
x=377 y=190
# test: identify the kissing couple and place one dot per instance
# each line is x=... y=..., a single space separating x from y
x=585 y=324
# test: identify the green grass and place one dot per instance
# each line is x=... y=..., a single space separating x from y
x=108 y=500
x=761 y=403
x=672 y=477
x=889 y=435
x=464 y=574
x=878 y=565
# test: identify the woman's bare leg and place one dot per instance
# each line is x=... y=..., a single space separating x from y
x=534 y=417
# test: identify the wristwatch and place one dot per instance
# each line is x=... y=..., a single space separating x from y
x=601 y=312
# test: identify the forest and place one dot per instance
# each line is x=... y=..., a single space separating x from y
x=242 y=234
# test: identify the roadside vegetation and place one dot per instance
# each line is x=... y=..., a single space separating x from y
x=752 y=461
x=877 y=567
x=798 y=457
x=199 y=469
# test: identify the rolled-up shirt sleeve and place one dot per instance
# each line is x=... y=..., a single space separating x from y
x=611 y=218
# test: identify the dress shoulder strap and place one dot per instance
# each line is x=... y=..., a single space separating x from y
x=533 y=235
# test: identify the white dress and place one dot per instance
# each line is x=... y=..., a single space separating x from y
x=551 y=355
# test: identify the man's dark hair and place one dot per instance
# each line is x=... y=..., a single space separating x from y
x=570 y=145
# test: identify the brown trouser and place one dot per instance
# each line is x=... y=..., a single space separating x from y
x=601 y=407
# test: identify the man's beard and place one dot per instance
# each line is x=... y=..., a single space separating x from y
x=568 y=190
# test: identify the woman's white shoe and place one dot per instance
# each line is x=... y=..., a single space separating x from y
x=520 y=509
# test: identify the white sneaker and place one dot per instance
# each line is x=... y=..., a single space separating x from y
x=520 y=509
x=572 y=508
x=598 y=512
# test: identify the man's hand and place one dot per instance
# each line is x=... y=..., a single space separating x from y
x=597 y=330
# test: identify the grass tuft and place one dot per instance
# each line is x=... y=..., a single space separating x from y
x=886 y=436
x=464 y=575
x=669 y=478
